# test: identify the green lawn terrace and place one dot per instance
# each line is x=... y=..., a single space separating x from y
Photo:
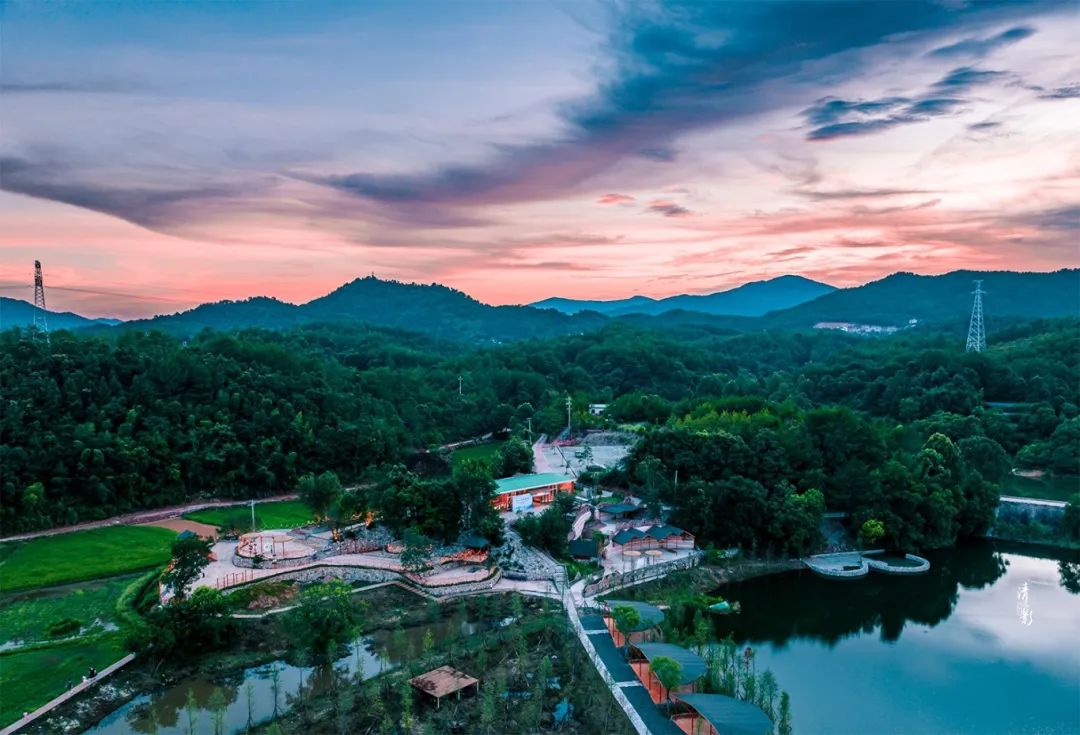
x=355 y=553
x=274 y=514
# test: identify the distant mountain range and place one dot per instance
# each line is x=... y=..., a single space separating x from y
x=19 y=313
x=896 y=299
x=449 y=314
x=750 y=299
x=430 y=309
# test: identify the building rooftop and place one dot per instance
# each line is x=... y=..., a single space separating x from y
x=729 y=715
x=582 y=548
x=651 y=615
x=662 y=532
x=529 y=482
x=627 y=534
x=619 y=509
x=693 y=666
x=442 y=681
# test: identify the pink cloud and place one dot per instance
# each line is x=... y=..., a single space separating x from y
x=615 y=199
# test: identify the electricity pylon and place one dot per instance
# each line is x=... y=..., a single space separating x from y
x=41 y=323
x=976 y=339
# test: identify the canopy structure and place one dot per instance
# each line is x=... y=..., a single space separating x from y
x=693 y=666
x=662 y=532
x=627 y=535
x=619 y=509
x=650 y=615
x=728 y=715
x=581 y=548
x=442 y=681
x=521 y=492
x=529 y=482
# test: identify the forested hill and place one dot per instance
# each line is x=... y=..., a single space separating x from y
x=946 y=298
x=433 y=309
x=19 y=313
x=95 y=425
x=445 y=313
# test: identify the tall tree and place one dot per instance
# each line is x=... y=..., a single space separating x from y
x=190 y=555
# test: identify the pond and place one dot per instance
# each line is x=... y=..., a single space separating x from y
x=988 y=641
x=249 y=694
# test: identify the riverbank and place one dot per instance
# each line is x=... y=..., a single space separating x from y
x=705 y=578
x=258 y=641
x=503 y=639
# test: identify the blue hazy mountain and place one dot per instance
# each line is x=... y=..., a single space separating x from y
x=750 y=299
x=19 y=313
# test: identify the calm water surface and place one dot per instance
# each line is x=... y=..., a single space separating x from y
x=987 y=642
x=165 y=712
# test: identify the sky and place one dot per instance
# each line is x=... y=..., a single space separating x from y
x=159 y=155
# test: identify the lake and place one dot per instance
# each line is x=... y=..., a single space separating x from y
x=988 y=641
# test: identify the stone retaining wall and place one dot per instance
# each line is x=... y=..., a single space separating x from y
x=882 y=566
x=645 y=574
x=350 y=574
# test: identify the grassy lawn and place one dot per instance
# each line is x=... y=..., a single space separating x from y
x=31 y=678
x=1048 y=488
x=73 y=557
x=280 y=514
x=483 y=452
x=26 y=616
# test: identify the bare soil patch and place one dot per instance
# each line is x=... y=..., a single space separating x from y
x=182 y=524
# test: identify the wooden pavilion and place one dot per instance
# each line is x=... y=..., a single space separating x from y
x=442 y=681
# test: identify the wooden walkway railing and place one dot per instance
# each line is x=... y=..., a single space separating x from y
x=77 y=689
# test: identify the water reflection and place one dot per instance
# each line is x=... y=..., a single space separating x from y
x=983 y=644
x=254 y=695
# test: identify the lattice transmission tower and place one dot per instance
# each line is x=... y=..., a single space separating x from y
x=41 y=323
x=976 y=339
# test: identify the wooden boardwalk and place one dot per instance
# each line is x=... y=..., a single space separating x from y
x=74 y=691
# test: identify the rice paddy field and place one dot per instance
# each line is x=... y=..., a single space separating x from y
x=73 y=557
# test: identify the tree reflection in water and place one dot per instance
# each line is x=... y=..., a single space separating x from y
x=830 y=610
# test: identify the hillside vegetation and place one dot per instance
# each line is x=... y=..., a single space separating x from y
x=98 y=425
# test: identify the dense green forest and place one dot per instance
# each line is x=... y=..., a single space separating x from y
x=94 y=425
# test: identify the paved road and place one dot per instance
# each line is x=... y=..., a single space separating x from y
x=145 y=516
x=1033 y=501
x=540 y=460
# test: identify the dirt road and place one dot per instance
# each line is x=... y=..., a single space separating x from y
x=144 y=516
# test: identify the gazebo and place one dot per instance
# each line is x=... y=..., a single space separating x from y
x=717 y=714
x=442 y=681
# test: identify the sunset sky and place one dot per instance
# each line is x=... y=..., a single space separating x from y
x=154 y=156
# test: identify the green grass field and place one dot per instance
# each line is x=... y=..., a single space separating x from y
x=26 y=616
x=73 y=557
x=29 y=679
x=483 y=452
x=280 y=514
x=1048 y=488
